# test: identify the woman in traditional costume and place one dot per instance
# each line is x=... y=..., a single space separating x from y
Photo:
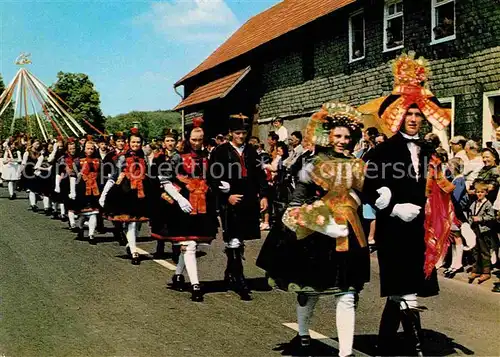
x=43 y=172
x=189 y=214
x=126 y=195
x=30 y=181
x=11 y=168
x=65 y=169
x=85 y=191
x=322 y=250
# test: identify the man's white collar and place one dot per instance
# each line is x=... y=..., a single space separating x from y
x=408 y=136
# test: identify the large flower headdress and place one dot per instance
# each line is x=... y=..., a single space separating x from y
x=410 y=87
x=331 y=115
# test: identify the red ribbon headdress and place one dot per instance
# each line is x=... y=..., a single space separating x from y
x=410 y=77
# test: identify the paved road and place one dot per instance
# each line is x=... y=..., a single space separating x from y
x=63 y=297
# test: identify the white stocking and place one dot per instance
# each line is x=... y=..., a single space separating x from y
x=10 y=185
x=32 y=197
x=457 y=254
x=131 y=236
x=190 y=261
x=62 y=209
x=46 y=202
x=92 y=224
x=305 y=313
x=179 y=269
x=72 y=219
x=346 y=316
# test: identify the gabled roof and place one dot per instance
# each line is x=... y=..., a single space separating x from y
x=280 y=19
x=214 y=90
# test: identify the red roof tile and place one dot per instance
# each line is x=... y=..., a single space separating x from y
x=280 y=19
x=213 y=90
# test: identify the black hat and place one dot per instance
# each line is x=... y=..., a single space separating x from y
x=102 y=139
x=238 y=122
x=120 y=135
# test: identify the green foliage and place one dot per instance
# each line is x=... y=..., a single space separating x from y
x=77 y=90
x=6 y=118
x=151 y=124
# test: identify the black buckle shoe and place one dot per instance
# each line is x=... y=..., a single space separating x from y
x=136 y=259
x=305 y=341
x=92 y=240
x=178 y=282
x=196 y=293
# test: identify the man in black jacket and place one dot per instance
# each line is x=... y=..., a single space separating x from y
x=395 y=185
x=237 y=177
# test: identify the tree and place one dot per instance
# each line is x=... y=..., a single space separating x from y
x=151 y=124
x=78 y=92
x=6 y=118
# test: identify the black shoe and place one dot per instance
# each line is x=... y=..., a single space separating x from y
x=410 y=318
x=63 y=218
x=196 y=293
x=128 y=251
x=80 y=234
x=496 y=288
x=178 y=282
x=34 y=208
x=47 y=211
x=92 y=240
x=305 y=341
x=136 y=259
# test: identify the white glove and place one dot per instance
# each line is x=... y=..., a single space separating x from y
x=57 y=189
x=335 y=230
x=184 y=204
x=224 y=187
x=406 y=211
x=105 y=191
x=305 y=173
x=384 y=199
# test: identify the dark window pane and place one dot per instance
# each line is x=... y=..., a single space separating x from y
x=394 y=32
x=399 y=7
x=445 y=17
x=357 y=27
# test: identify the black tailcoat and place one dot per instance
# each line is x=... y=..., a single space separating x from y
x=246 y=177
x=401 y=246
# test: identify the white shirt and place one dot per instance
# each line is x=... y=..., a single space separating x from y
x=282 y=134
x=238 y=149
x=471 y=170
x=296 y=152
x=414 y=152
x=463 y=155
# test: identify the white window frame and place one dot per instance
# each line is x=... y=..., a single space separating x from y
x=351 y=59
x=442 y=133
x=388 y=17
x=434 y=24
x=488 y=132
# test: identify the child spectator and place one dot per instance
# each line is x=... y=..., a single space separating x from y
x=482 y=218
x=460 y=205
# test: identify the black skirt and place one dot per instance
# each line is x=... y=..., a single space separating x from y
x=313 y=264
x=123 y=203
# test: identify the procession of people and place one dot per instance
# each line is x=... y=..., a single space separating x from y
x=326 y=202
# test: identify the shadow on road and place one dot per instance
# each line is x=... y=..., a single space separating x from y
x=435 y=344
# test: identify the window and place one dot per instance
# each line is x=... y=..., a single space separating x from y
x=491 y=115
x=357 y=36
x=393 y=25
x=443 y=20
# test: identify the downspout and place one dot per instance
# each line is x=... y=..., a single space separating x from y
x=182 y=112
